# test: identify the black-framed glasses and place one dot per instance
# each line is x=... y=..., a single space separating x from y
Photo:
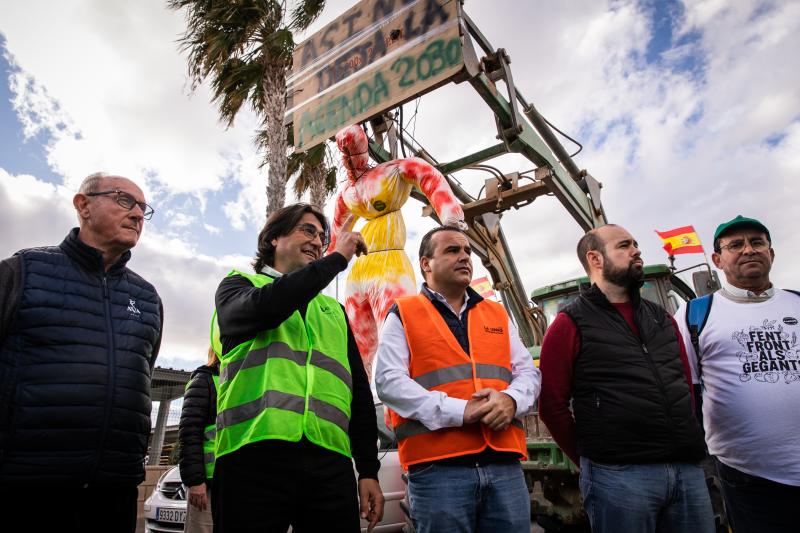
x=758 y=244
x=311 y=231
x=127 y=201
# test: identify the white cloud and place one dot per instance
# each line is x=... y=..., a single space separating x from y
x=672 y=145
x=36 y=213
x=213 y=230
x=112 y=72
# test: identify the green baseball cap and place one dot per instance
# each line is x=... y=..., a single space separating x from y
x=740 y=221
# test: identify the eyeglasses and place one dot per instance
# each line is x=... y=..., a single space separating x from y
x=310 y=231
x=127 y=201
x=736 y=247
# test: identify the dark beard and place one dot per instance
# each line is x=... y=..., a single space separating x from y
x=630 y=278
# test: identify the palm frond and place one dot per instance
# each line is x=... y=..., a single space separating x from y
x=330 y=179
x=305 y=13
x=234 y=85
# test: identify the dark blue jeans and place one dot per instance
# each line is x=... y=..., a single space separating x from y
x=467 y=499
x=758 y=505
x=648 y=498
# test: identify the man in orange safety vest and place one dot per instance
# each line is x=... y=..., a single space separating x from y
x=457 y=378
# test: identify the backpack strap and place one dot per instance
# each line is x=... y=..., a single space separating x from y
x=796 y=293
x=697 y=312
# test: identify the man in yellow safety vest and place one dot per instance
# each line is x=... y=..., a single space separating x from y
x=294 y=404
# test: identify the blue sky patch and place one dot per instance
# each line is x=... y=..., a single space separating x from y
x=18 y=155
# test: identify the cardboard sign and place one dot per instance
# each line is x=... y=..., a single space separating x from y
x=377 y=55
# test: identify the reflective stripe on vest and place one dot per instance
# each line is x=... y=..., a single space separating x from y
x=288 y=382
x=209 y=440
x=208 y=450
x=259 y=357
x=410 y=428
x=464 y=371
x=458 y=375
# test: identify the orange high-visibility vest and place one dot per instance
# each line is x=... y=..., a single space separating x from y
x=438 y=363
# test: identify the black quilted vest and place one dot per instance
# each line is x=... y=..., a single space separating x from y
x=631 y=401
x=75 y=370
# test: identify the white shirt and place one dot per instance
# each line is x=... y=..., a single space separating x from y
x=435 y=409
x=269 y=271
x=745 y=296
x=750 y=365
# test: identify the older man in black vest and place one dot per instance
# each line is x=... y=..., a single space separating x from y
x=619 y=360
x=79 y=334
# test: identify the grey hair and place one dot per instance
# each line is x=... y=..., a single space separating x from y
x=91 y=183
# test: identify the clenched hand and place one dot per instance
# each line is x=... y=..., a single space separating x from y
x=350 y=243
x=501 y=408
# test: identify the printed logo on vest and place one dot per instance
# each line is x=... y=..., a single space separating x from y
x=498 y=331
x=790 y=321
x=324 y=308
x=133 y=312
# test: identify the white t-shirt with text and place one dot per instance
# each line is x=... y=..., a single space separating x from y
x=750 y=369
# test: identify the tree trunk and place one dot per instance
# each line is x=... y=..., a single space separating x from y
x=318 y=191
x=275 y=108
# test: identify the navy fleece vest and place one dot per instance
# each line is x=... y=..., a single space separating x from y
x=631 y=401
x=75 y=370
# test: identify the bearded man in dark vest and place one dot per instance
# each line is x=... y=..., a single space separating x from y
x=79 y=335
x=619 y=359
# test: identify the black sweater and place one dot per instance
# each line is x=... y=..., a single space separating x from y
x=244 y=310
x=199 y=411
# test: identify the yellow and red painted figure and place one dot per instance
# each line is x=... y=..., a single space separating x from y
x=376 y=194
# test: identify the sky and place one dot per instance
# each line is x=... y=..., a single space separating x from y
x=688 y=112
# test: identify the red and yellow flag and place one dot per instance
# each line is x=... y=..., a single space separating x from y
x=483 y=287
x=683 y=240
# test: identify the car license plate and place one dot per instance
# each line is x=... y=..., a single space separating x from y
x=176 y=516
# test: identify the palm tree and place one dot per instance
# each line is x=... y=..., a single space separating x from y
x=245 y=48
x=315 y=174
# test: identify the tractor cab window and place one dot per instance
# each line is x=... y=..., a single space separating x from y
x=552 y=306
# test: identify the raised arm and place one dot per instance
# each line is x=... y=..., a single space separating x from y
x=435 y=187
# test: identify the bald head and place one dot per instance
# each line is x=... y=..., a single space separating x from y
x=111 y=211
x=593 y=241
x=611 y=256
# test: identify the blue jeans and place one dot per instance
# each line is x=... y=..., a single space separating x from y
x=491 y=498
x=755 y=504
x=646 y=498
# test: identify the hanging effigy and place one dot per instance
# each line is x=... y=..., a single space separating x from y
x=376 y=194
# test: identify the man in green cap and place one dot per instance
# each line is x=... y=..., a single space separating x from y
x=744 y=350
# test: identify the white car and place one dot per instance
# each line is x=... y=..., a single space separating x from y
x=165 y=509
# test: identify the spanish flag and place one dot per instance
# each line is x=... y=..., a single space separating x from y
x=682 y=240
x=483 y=287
